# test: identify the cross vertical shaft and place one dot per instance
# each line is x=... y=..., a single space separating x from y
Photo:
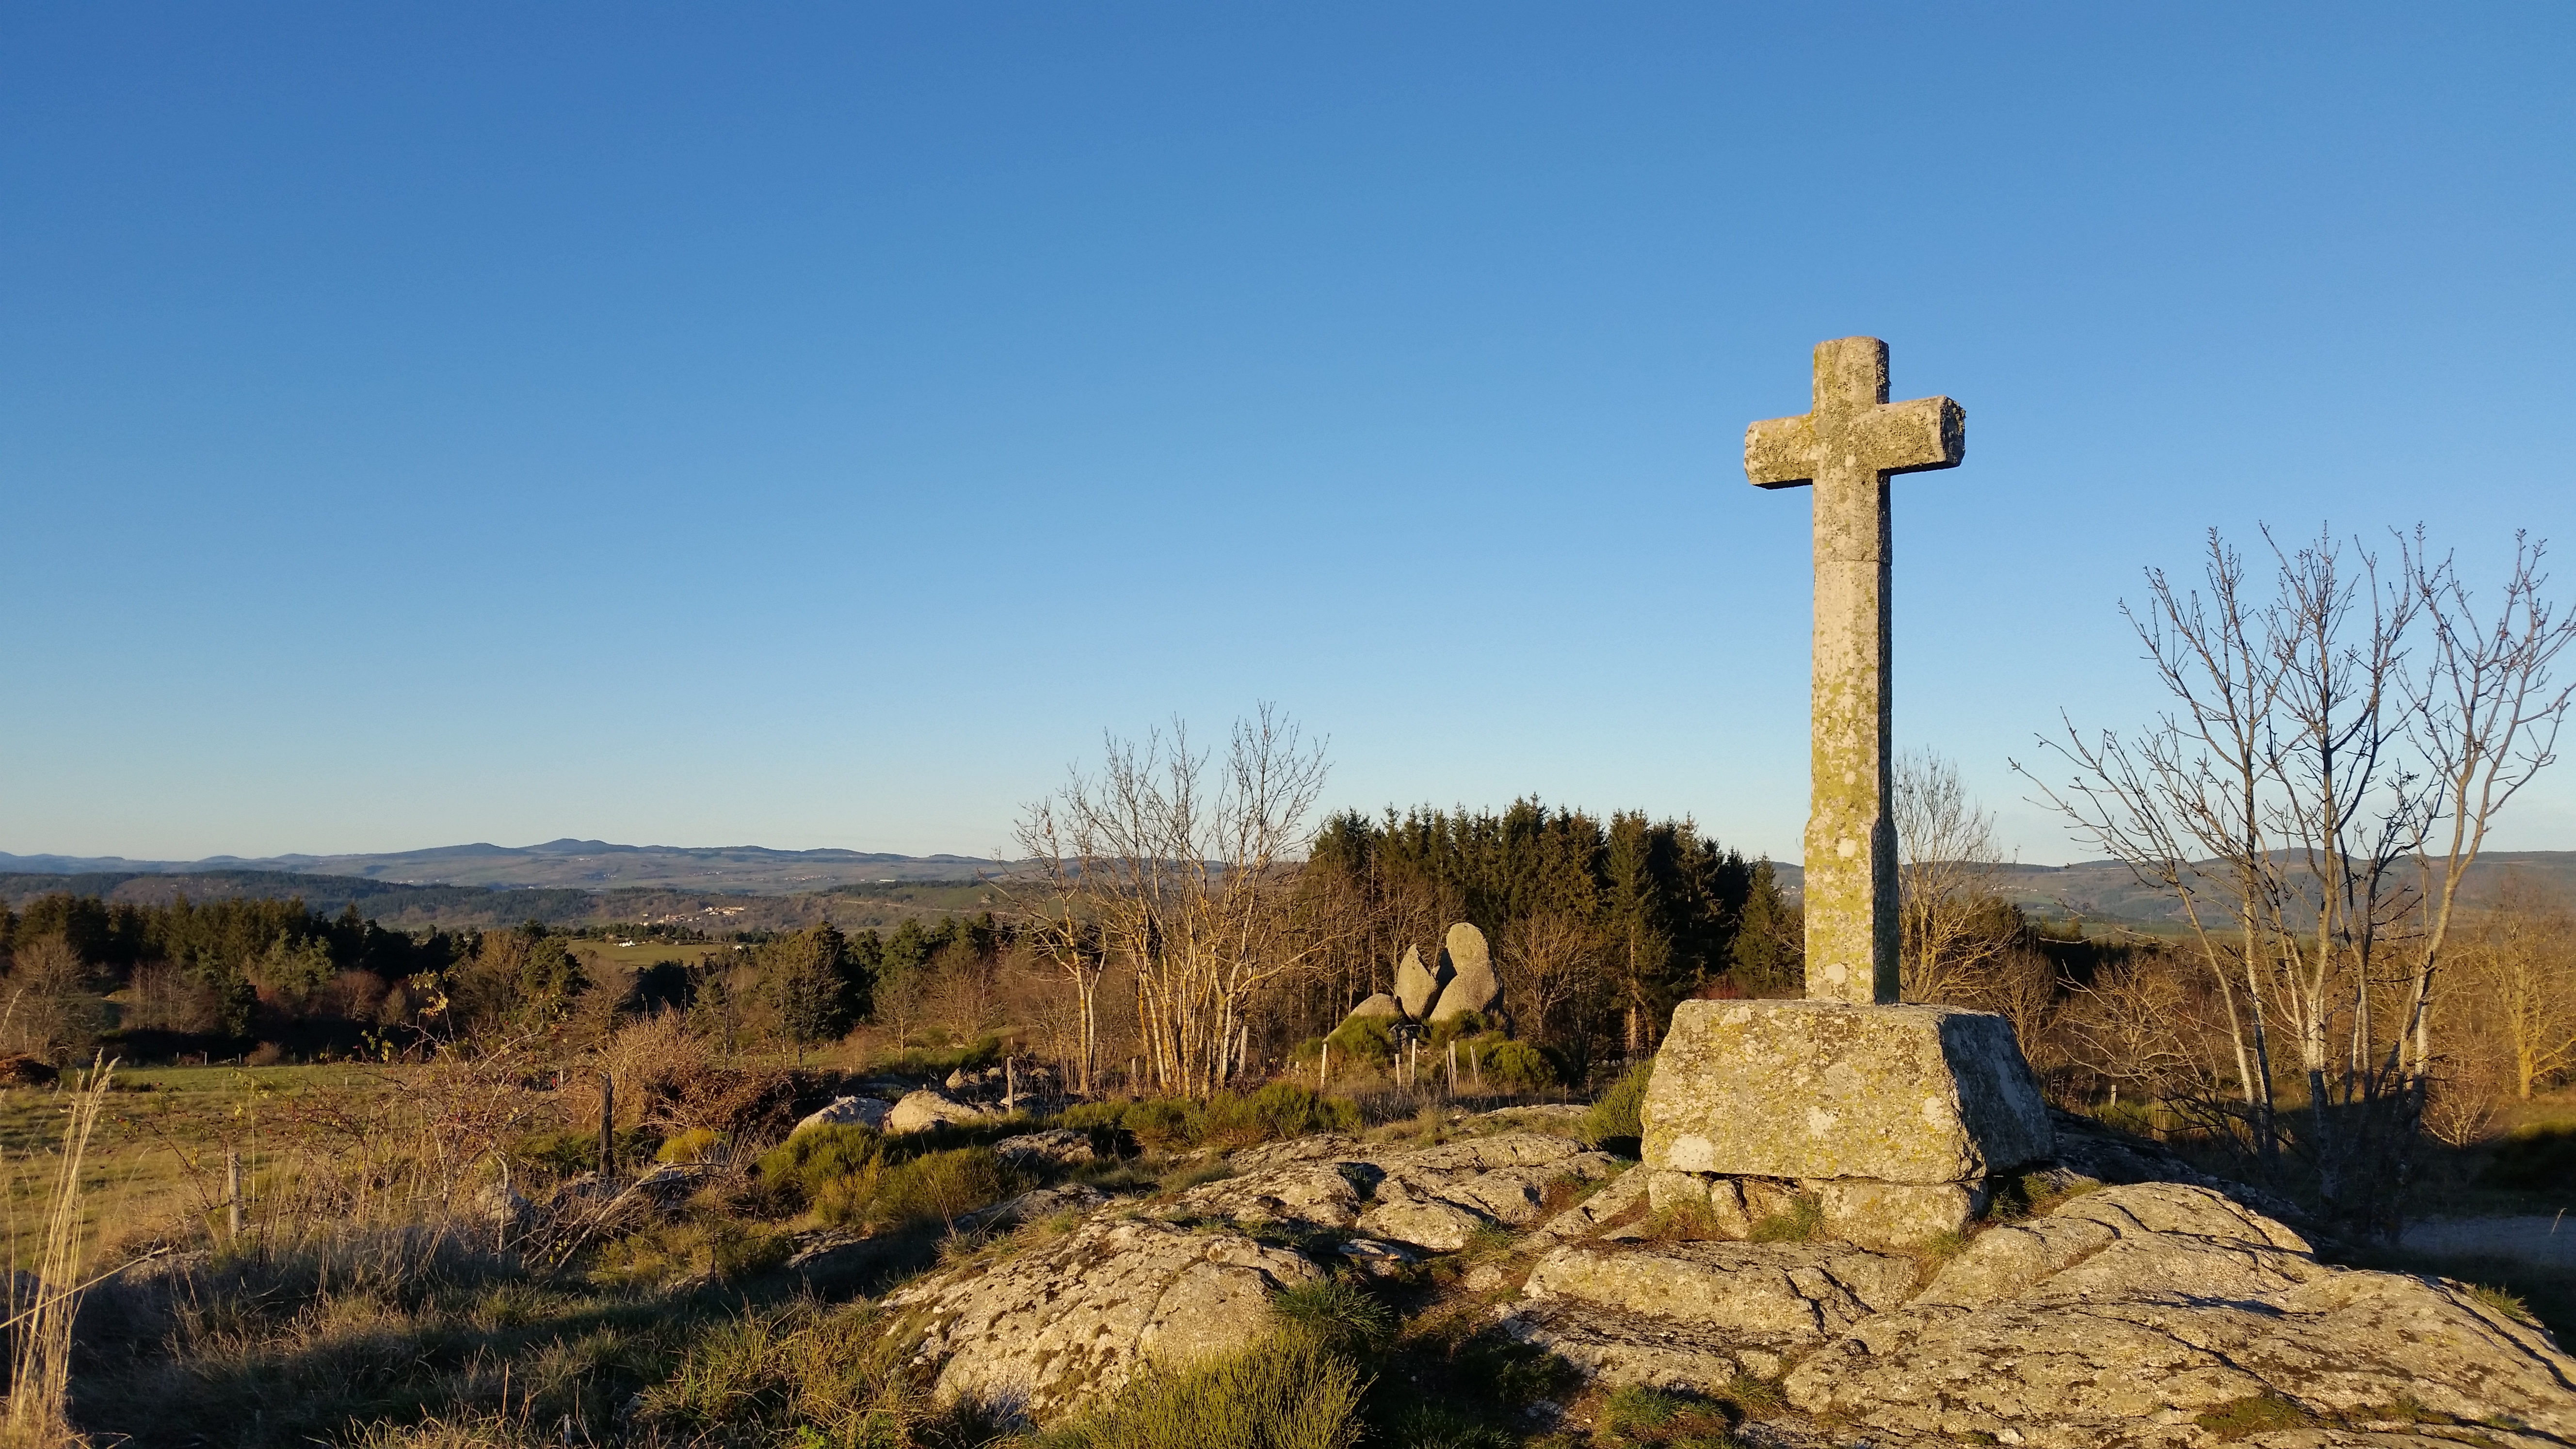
x=1847 y=446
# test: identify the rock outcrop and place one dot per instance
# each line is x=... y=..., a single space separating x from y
x=1434 y=1198
x=1058 y=1147
x=929 y=1108
x=1415 y=986
x=2127 y=1316
x=848 y=1112
x=1380 y=1005
x=2151 y=1314
x=1063 y=1323
x=1472 y=985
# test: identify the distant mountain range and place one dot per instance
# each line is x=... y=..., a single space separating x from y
x=749 y=885
x=567 y=863
x=2103 y=893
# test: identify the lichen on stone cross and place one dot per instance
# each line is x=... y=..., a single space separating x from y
x=1848 y=445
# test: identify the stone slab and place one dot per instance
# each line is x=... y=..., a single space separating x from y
x=1822 y=1089
x=1892 y=1216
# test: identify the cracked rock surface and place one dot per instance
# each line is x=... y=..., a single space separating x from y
x=2144 y=1314
x=1059 y=1324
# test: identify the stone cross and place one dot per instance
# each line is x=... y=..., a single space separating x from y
x=1848 y=445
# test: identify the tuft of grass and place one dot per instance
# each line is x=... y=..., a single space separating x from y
x=1804 y=1219
x=1639 y=1415
x=2035 y=1194
x=806 y=1375
x=1339 y=1315
x=2255 y=1414
x=40 y=1365
x=1687 y=1221
x=688 y=1251
x=697 y=1144
x=1617 y=1120
x=1287 y=1391
x=1192 y=1174
x=2508 y=1304
x=1428 y=1426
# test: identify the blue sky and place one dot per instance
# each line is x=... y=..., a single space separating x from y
x=815 y=425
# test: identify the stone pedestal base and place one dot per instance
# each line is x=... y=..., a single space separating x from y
x=1802 y=1090
x=1887 y=1216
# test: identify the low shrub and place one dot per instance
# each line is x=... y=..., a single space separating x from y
x=1363 y=1039
x=935 y=1187
x=1278 y=1111
x=1164 y=1124
x=819 y=1156
x=1460 y=1029
x=1228 y=1119
x=688 y=1250
x=698 y=1144
x=1617 y=1120
x=1519 y=1067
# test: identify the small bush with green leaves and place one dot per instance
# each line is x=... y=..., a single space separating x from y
x=697 y=1144
x=1275 y=1113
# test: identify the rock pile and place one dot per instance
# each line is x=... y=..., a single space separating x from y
x=1460 y=982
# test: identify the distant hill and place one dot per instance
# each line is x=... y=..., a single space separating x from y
x=2102 y=892
x=414 y=907
x=587 y=865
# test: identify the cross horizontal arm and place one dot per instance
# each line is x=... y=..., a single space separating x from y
x=1781 y=452
x=1915 y=436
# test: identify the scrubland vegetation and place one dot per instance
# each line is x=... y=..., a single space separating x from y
x=506 y=1187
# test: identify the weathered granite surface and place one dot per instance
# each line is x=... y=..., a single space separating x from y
x=2127 y=1314
x=1379 y=1005
x=1417 y=986
x=848 y=1112
x=1472 y=984
x=1062 y=1323
x=928 y=1108
x=1819 y=1089
x=2121 y=1317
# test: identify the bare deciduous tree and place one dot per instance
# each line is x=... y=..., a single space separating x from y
x=1552 y=967
x=2521 y=971
x=1181 y=864
x=2311 y=799
x=1947 y=882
